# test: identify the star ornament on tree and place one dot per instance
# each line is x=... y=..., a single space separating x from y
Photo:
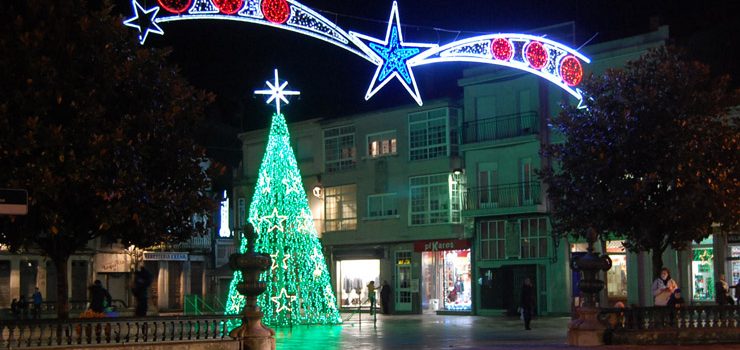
x=393 y=56
x=274 y=221
x=286 y=306
x=277 y=92
x=144 y=21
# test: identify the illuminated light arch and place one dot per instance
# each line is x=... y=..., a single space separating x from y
x=393 y=57
x=480 y=49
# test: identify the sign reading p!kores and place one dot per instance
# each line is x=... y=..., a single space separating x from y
x=441 y=244
x=13 y=201
x=166 y=256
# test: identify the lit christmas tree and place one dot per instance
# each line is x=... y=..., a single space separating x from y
x=298 y=285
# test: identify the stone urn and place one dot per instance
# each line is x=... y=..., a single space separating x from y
x=587 y=330
x=252 y=334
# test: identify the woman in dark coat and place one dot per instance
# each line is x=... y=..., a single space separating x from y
x=385 y=298
x=528 y=302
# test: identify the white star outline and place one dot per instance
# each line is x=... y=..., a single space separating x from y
x=292 y=184
x=359 y=40
x=306 y=221
x=282 y=293
x=131 y=21
x=275 y=221
x=277 y=92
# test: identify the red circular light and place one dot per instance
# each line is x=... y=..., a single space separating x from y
x=175 y=6
x=229 y=7
x=536 y=55
x=571 y=70
x=501 y=49
x=276 y=11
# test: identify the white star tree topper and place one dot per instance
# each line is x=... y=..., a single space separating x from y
x=277 y=92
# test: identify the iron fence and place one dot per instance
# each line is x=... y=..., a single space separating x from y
x=503 y=196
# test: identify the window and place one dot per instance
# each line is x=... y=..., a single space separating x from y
x=340 y=208
x=492 y=239
x=382 y=205
x=534 y=238
x=428 y=134
x=339 y=148
x=435 y=199
x=381 y=144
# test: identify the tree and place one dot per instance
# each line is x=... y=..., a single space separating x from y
x=298 y=285
x=98 y=130
x=653 y=157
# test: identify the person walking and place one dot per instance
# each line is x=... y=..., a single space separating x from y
x=23 y=306
x=37 y=299
x=142 y=281
x=528 y=302
x=663 y=287
x=385 y=298
x=722 y=292
x=371 y=296
x=99 y=297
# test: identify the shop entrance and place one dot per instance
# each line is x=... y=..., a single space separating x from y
x=352 y=279
x=403 y=281
x=501 y=288
x=446 y=282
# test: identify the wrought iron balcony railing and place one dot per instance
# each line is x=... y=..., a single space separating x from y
x=504 y=196
x=499 y=128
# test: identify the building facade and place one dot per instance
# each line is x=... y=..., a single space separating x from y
x=443 y=201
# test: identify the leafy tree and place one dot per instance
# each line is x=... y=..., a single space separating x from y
x=98 y=130
x=653 y=157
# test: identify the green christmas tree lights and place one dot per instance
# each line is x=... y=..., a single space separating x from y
x=298 y=285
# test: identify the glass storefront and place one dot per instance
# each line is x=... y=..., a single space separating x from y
x=616 y=277
x=734 y=268
x=446 y=280
x=352 y=279
x=702 y=271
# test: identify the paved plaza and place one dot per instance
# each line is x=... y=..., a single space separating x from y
x=440 y=332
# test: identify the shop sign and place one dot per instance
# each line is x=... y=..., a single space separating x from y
x=733 y=238
x=166 y=256
x=441 y=244
x=107 y=262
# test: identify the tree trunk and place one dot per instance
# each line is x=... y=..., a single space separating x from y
x=62 y=287
x=657 y=256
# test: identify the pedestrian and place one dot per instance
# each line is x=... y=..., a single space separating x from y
x=663 y=287
x=676 y=299
x=385 y=298
x=371 y=296
x=142 y=281
x=23 y=305
x=528 y=302
x=15 y=308
x=722 y=292
x=99 y=297
x=37 y=299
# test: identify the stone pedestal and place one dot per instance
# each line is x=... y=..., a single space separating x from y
x=586 y=330
x=252 y=334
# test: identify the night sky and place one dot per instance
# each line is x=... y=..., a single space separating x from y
x=231 y=59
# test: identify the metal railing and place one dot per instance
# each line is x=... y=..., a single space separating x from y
x=503 y=196
x=501 y=127
x=657 y=317
x=74 y=306
x=118 y=330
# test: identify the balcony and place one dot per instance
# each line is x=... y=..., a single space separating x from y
x=196 y=243
x=499 y=128
x=493 y=199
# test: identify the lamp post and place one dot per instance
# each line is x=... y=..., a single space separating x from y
x=586 y=330
x=252 y=334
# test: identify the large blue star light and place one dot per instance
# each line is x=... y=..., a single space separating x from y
x=393 y=57
x=136 y=22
